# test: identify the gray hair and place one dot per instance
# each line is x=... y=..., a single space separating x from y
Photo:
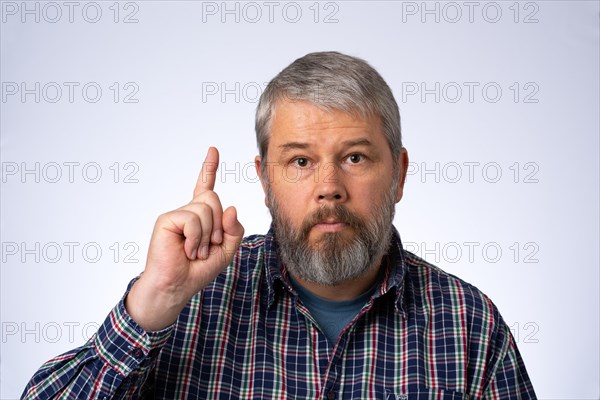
x=331 y=81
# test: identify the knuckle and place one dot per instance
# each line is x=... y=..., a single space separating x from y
x=164 y=217
x=197 y=208
x=206 y=236
x=209 y=197
x=205 y=210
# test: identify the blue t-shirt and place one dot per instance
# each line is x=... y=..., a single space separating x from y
x=332 y=316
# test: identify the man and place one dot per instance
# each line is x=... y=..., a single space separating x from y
x=327 y=304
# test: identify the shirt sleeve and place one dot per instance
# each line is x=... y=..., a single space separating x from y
x=510 y=379
x=113 y=364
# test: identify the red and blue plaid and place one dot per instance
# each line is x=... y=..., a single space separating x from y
x=424 y=334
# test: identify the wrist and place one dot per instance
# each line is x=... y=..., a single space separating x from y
x=153 y=309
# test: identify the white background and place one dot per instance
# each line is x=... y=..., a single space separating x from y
x=192 y=73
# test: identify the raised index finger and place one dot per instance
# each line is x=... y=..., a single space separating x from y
x=208 y=174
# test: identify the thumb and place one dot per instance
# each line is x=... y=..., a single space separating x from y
x=233 y=231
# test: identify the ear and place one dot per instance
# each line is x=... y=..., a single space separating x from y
x=257 y=165
x=403 y=165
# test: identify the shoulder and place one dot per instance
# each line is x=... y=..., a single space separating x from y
x=448 y=307
x=440 y=294
x=459 y=322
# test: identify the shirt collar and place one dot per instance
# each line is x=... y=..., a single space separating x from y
x=392 y=276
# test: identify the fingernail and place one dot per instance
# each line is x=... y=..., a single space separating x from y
x=204 y=251
x=194 y=254
x=217 y=236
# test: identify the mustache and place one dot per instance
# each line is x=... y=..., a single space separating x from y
x=338 y=212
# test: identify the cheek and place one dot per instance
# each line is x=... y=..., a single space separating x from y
x=293 y=200
x=368 y=193
x=291 y=185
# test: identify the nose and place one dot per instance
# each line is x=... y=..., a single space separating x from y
x=330 y=185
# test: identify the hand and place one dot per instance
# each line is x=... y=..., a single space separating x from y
x=190 y=246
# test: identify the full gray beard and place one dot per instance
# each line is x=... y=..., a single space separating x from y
x=334 y=259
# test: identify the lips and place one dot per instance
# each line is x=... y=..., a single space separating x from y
x=330 y=221
x=327 y=220
x=330 y=225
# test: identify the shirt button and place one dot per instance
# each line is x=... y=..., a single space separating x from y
x=137 y=353
x=331 y=395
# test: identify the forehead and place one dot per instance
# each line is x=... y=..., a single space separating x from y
x=302 y=120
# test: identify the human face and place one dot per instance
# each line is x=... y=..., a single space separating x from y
x=331 y=188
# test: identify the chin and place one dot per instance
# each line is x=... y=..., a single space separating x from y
x=336 y=239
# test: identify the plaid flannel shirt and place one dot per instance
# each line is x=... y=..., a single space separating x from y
x=424 y=334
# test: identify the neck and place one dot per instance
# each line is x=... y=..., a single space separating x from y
x=346 y=290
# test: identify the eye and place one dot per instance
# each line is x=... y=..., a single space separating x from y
x=355 y=158
x=301 y=162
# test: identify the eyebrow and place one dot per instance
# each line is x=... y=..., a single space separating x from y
x=346 y=143
x=293 y=145
x=357 y=142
